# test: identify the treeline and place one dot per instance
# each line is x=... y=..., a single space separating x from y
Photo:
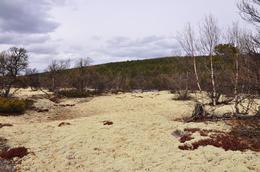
x=170 y=73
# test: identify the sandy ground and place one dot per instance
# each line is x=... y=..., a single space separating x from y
x=140 y=138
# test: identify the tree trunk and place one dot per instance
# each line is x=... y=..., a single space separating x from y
x=81 y=79
x=53 y=84
x=236 y=85
x=196 y=73
x=81 y=85
x=7 y=90
x=214 y=100
x=258 y=112
x=187 y=81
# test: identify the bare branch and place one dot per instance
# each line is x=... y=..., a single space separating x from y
x=250 y=10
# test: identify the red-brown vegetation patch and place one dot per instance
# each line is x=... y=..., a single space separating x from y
x=14 y=152
x=185 y=147
x=250 y=122
x=186 y=137
x=225 y=141
x=192 y=130
x=202 y=132
x=245 y=135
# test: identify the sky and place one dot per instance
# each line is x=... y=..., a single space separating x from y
x=104 y=30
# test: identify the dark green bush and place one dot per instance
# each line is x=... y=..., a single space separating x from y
x=12 y=105
x=73 y=93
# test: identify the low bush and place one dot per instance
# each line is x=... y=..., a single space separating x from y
x=73 y=93
x=12 y=105
x=183 y=95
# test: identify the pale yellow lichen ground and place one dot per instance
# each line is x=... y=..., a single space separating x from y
x=140 y=138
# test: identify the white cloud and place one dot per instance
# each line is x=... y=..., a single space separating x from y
x=104 y=30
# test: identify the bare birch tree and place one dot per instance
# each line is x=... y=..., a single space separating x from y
x=81 y=65
x=209 y=38
x=250 y=10
x=234 y=38
x=187 y=40
x=242 y=41
x=54 y=68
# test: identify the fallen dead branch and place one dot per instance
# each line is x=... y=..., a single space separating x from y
x=63 y=124
x=5 y=125
x=107 y=123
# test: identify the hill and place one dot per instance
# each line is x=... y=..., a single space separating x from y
x=167 y=73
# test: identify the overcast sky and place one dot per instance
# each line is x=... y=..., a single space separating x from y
x=105 y=30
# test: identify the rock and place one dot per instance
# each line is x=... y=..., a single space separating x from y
x=178 y=133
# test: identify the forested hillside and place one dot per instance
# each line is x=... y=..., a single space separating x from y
x=171 y=73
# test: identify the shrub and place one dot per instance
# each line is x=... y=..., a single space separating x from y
x=73 y=93
x=12 y=105
x=28 y=103
x=183 y=95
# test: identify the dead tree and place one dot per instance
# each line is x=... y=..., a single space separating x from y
x=234 y=37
